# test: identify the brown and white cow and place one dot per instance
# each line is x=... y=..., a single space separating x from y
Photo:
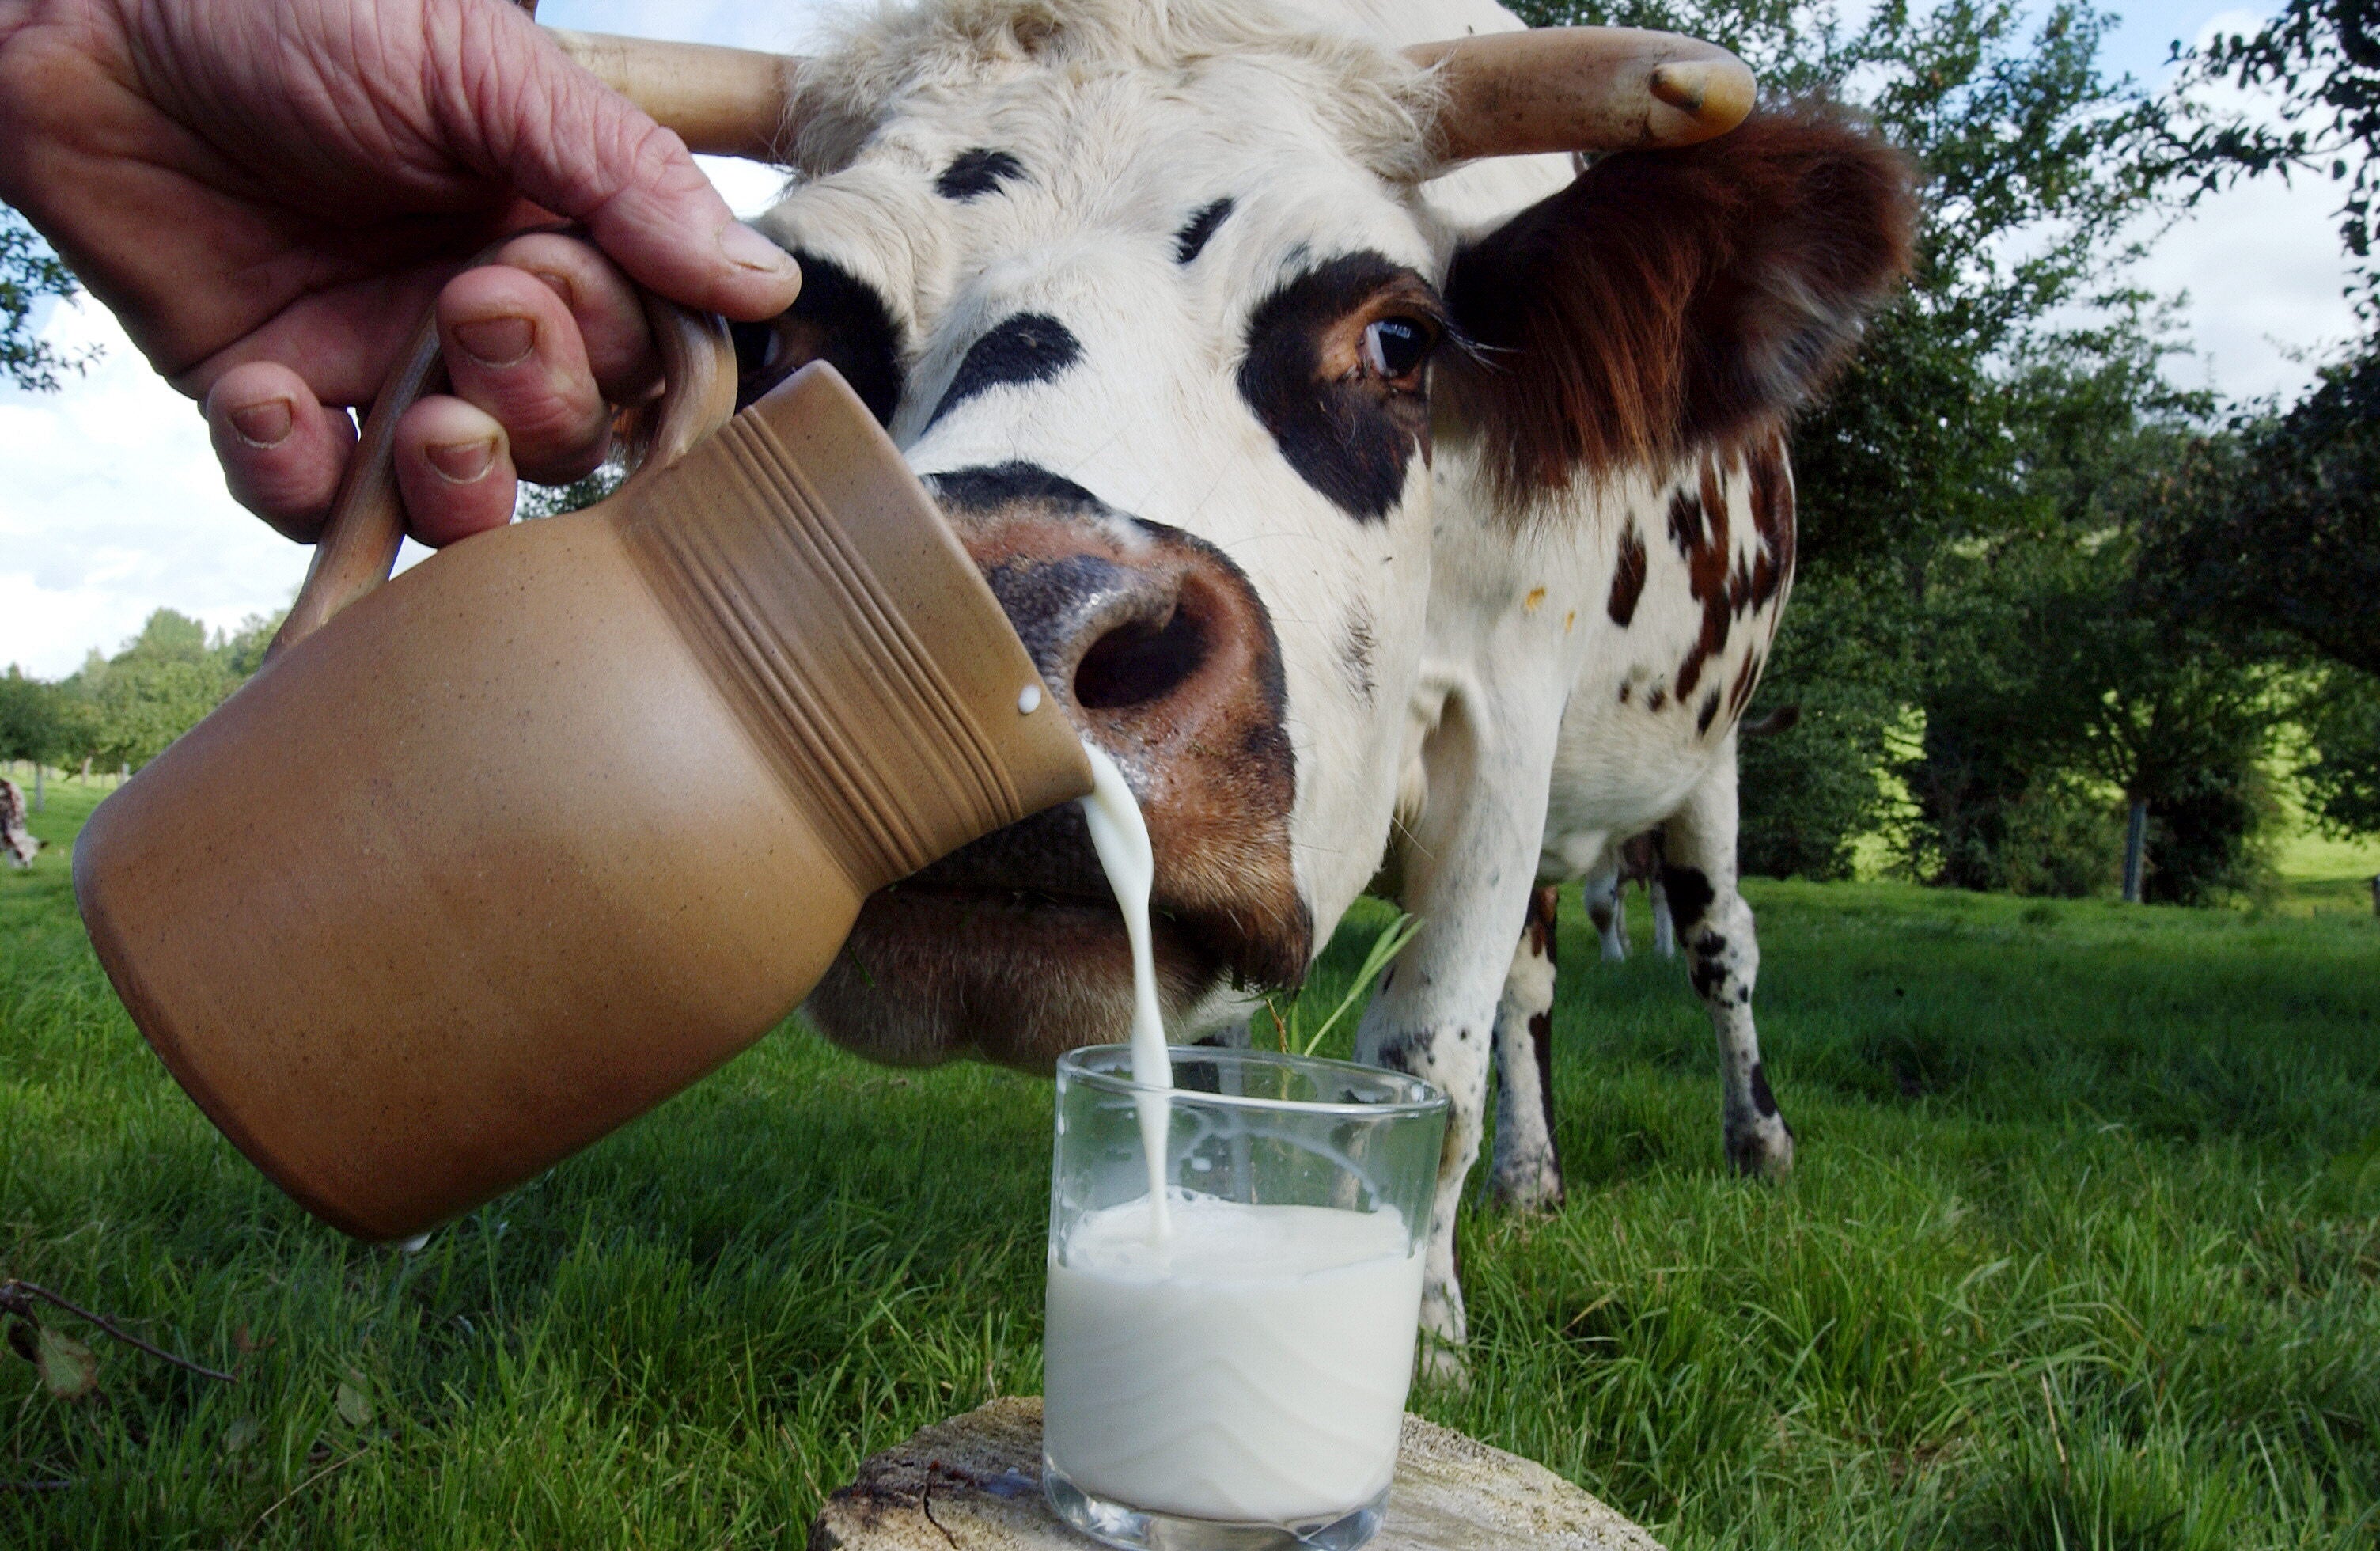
x=1335 y=489
x=17 y=841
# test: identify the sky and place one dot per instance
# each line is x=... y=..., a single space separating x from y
x=112 y=505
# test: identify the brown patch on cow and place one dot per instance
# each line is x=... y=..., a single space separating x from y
x=1709 y=712
x=1625 y=687
x=1698 y=525
x=1627 y=575
x=1729 y=587
x=1534 y=601
x=1656 y=700
x=1769 y=494
x=1543 y=903
x=1668 y=297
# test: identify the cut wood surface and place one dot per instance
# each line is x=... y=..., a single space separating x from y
x=975 y=1483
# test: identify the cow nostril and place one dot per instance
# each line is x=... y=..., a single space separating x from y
x=1133 y=665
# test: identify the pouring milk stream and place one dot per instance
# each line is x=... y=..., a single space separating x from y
x=1211 y=1358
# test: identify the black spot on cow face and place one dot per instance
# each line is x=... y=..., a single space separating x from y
x=1028 y=347
x=1689 y=894
x=837 y=319
x=1191 y=240
x=1627 y=576
x=1336 y=370
x=973 y=174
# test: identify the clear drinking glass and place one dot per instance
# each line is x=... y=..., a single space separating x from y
x=1239 y=1383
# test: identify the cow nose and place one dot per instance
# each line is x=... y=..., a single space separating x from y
x=1140 y=630
x=1109 y=633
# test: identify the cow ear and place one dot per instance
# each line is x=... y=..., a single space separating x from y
x=1668 y=298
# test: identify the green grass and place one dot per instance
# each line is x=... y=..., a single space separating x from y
x=2083 y=1252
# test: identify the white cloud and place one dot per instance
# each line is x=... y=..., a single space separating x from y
x=113 y=506
x=2260 y=264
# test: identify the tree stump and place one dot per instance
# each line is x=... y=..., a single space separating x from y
x=975 y=1483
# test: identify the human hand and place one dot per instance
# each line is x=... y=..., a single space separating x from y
x=269 y=193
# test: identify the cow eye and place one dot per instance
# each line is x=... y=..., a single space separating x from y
x=1395 y=347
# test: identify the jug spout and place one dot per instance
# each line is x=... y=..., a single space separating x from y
x=526 y=840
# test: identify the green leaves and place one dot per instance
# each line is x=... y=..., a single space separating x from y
x=68 y=1369
x=353 y=1404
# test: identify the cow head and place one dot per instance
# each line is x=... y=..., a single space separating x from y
x=1153 y=299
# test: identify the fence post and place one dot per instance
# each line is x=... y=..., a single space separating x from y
x=39 y=771
x=2136 y=837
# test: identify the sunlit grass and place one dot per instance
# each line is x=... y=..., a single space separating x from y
x=2083 y=1252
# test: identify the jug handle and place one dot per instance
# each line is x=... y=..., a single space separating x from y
x=367 y=523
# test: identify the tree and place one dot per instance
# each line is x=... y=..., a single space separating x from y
x=165 y=679
x=2323 y=56
x=32 y=720
x=29 y=272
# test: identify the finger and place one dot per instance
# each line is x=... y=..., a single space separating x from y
x=281 y=451
x=513 y=349
x=568 y=142
x=604 y=304
x=453 y=469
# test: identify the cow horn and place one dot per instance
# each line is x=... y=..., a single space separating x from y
x=1550 y=88
x=724 y=102
x=1559 y=89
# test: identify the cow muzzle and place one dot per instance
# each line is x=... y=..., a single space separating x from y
x=1158 y=648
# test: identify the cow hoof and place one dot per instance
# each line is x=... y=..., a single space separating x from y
x=1525 y=1189
x=1764 y=1151
x=1443 y=1366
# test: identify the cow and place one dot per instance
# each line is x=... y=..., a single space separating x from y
x=1634 y=860
x=17 y=842
x=1343 y=490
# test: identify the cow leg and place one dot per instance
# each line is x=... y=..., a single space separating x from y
x=1607 y=906
x=1723 y=960
x=1470 y=863
x=1665 y=929
x=1527 y=1172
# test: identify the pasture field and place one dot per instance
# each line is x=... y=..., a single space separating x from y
x=2083 y=1252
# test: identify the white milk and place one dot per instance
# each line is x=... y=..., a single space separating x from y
x=1252 y=1366
x=1121 y=837
x=1208 y=1358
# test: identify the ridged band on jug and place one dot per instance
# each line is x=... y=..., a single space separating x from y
x=833 y=684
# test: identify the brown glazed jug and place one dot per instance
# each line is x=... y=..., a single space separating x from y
x=493 y=858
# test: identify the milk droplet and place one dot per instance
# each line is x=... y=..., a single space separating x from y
x=1029 y=699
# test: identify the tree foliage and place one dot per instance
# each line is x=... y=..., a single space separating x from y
x=2322 y=58
x=29 y=273
x=127 y=709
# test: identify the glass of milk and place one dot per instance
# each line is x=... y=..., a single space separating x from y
x=1230 y=1374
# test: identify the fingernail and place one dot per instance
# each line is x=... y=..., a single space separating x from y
x=746 y=249
x=497 y=341
x=263 y=425
x=462 y=463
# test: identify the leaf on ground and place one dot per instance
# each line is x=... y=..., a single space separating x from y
x=67 y=1368
x=355 y=1407
x=241 y=1436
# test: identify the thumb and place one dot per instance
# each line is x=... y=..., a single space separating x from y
x=561 y=139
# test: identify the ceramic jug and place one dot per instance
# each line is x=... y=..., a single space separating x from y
x=488 y=860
